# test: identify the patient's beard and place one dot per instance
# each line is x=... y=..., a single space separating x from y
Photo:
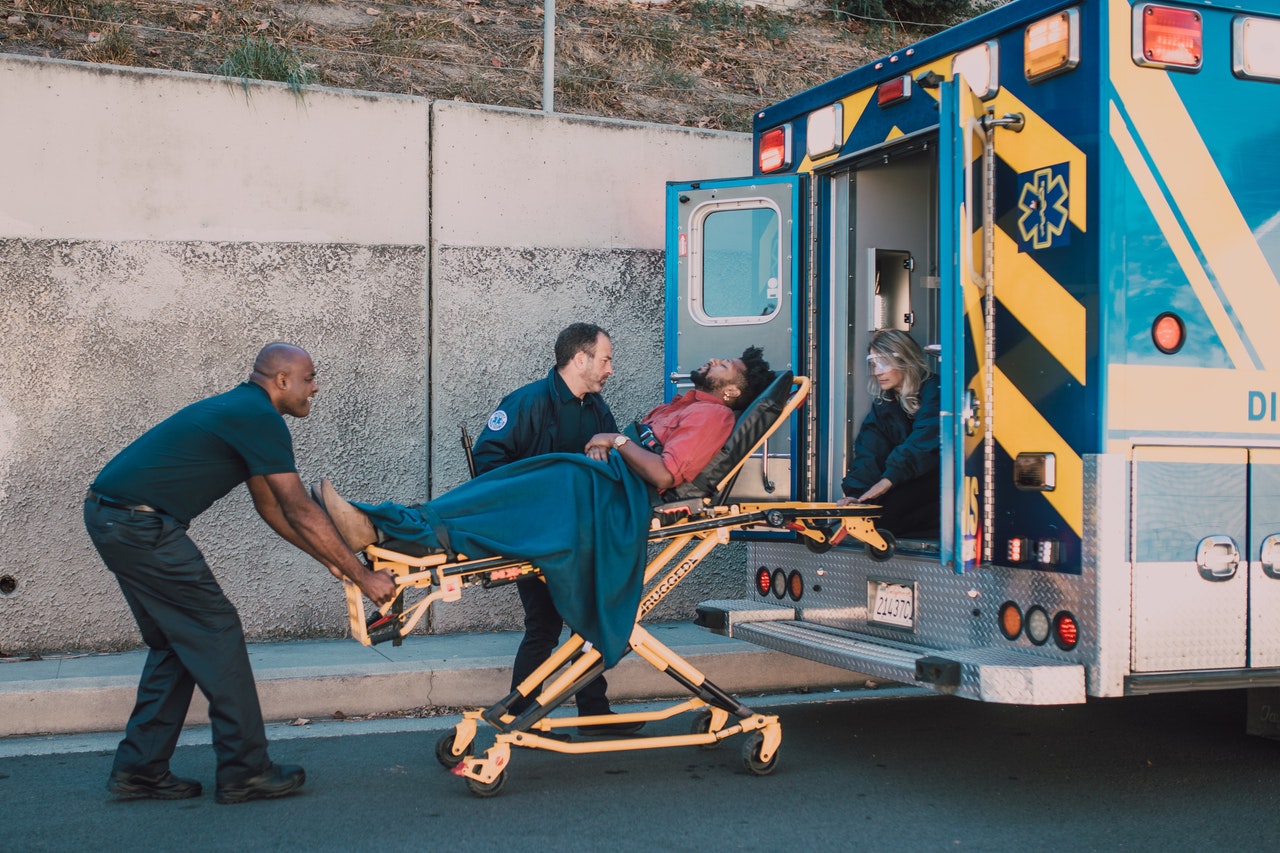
x=699 y=379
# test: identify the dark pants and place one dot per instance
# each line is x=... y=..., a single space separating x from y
x=542 y=626
x=911 y=510
x=195 y=638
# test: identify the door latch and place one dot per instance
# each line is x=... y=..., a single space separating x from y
x=1217 y=558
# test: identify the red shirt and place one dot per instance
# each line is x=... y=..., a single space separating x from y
x=691 y=428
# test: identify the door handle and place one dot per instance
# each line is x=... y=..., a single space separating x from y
x=1217 y=558
x=1269 y=556
x=969 y=416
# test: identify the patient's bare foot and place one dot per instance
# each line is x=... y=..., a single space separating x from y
x=354 y=526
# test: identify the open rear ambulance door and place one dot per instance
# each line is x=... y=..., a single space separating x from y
x=732 y=265
x=961 y=139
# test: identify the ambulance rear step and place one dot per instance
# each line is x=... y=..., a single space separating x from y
x=989 y=675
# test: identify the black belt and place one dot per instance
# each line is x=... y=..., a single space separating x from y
x=94 y=497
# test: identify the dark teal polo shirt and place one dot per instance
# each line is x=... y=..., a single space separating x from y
x=197 y=455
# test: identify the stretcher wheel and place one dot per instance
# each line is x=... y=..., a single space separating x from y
x=890 y=545
x=828 y=533
x=487 y=789
x=444 y=750
x=702 y=725
x=751 y=756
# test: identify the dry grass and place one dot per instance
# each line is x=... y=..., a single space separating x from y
x=709 y=63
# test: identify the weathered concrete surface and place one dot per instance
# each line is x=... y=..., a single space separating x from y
x=157 y=228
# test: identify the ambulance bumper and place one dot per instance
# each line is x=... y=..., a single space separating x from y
x=989 y=675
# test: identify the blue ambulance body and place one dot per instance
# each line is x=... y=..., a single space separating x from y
x=1076 y=208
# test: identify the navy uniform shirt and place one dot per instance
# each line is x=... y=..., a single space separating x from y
x=541 y=417
x=197 y=455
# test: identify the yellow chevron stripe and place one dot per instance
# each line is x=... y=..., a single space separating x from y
x=1039 y=145
x=1177 y=241
x=1020 y=428
x=1042 y=305
x=1161 y=120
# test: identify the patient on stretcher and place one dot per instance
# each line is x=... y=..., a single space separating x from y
x=590 y=543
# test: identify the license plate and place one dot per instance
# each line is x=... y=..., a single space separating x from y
x=892 y=604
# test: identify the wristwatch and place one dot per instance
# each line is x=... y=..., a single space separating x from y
x=620 y=440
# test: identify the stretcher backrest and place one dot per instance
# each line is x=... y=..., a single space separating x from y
x=756 y=423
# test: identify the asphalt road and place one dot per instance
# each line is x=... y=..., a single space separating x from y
x=1150 y=773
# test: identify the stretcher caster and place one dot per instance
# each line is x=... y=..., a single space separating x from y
x=882 y=554
x=487 y=789
x=751 y=759
x=445 y=752
x=701 y=726
x=827 y=542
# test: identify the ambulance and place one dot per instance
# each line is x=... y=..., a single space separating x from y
x=1074 y=208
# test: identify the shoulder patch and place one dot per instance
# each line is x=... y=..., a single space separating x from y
x=497 y=420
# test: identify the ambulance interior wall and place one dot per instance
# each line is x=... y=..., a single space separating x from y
x=157 y=228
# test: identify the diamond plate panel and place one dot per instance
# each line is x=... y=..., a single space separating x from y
x=955 y=614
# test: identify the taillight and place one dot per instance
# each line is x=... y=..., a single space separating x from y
x=1019 y=548
x=779 y=583
x=764 y=580
x=1010 y=620
x=1037 y=625
x=795 y=585
x=1167 y=36
x=1066 y=633
x=775 y=149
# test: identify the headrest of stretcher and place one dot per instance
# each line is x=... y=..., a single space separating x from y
x=751 y=425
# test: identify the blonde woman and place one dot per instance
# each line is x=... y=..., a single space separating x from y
x=895 y=455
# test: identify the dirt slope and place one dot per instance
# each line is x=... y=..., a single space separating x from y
x=709 y=63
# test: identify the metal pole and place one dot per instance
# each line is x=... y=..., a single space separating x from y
x=549 y=56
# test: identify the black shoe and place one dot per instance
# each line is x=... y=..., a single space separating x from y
x=163 y=787
x=616 y=729
x=278 y=780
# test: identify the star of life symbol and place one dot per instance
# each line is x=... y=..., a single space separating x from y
x=1042 y=208
x=497 y=420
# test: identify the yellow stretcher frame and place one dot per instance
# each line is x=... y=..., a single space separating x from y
x=691 y=530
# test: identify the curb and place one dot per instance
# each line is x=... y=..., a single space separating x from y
x=324 y=679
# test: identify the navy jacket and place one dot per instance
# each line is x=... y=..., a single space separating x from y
x=895 y=445
x=525 y=424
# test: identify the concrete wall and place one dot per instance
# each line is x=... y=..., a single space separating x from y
x=156 y=229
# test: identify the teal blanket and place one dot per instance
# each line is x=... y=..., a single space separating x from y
x=583 y=523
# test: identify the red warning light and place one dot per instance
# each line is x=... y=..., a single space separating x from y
x=1168 y=37
x=775 y=149
x=1065 y=631
x=1168 y=333
x=894 y=91
x=764 y=580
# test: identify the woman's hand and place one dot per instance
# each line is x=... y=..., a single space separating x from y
x=876 y=491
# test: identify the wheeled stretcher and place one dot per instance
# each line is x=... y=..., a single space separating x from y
x=685 y=531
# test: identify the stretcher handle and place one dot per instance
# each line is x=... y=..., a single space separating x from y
x=466 y=448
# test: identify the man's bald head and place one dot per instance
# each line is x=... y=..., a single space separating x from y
x=278 y=357
x=288 y=375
